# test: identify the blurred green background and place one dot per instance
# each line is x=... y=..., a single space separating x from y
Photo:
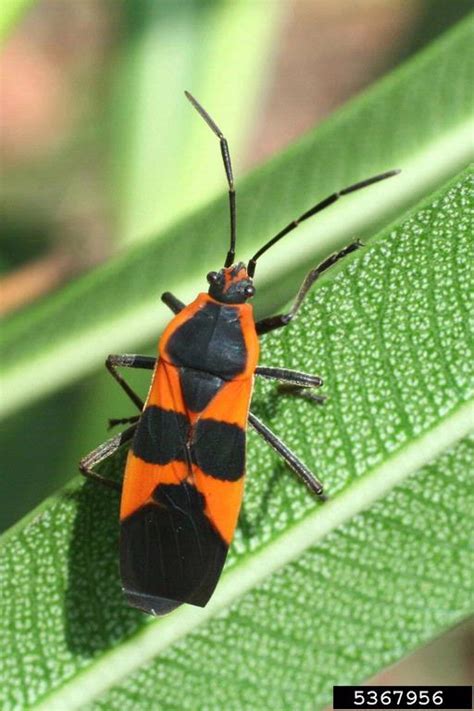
x=100 y=150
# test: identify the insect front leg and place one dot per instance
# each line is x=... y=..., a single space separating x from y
x=270 y=323
x=308 y=478
x=129 y=361
x=172 y=302
x=102 y=452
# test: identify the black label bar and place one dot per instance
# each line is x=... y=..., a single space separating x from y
x=402 y=697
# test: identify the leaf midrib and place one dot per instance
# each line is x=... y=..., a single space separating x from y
x=113 y=666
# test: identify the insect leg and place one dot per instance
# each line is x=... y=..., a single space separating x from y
x=266 y=325
x=293 y=377
x=123 y=421
x=129 y=361
x=313 y=484
x=103 y=451
x=294 y=382
x=172 y=302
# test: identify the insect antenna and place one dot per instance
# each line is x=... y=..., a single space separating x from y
x=228 y=171
x=317 y=208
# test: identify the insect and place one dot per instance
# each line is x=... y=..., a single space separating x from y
x=184 y=475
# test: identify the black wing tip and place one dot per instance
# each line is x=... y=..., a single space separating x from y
x=150 y=604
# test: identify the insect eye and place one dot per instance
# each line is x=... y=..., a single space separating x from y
x=211 y=277
x=249 y=291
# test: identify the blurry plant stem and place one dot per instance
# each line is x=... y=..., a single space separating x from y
x=35 y=279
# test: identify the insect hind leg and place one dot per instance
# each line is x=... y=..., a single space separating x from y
x=113 y=422
x=300 y=469
x=102 y=452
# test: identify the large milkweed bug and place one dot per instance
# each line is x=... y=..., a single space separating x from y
x=184 y=475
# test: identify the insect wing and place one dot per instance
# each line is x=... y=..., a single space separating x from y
x=170 y=551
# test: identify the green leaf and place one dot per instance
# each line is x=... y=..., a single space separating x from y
x=419 y=118
x=312 y=594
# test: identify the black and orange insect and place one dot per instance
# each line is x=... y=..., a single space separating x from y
x=184 y=476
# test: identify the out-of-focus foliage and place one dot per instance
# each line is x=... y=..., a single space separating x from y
x=10 y=12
